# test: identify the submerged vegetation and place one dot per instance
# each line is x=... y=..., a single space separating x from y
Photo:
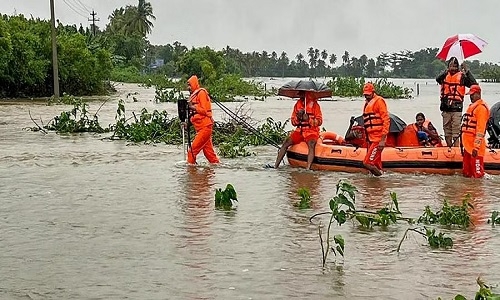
x=161 y=127
x=353 y=87
x=485 y=292
x=224 y=198
x=342 y=208
x=305 y=198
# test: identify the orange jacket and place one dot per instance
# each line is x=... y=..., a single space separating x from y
x=452 y=88
x=202 y=117
x=435 y=141
x=313 y=110
x=376 y=119
x=474 y=127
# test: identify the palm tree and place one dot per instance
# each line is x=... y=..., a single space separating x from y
x=283 y=61
x=333 y=59
x=299 y=57
x=345 y=57
x=312 y=60
x=140 y=20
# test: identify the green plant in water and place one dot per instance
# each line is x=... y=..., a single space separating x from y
x=449 y=215
x=435 y=241
x=353 y=87
x=76 y=120
x=495 y=218
x=65 y=99
x=484 y=293
x=342 y=201
x=229 y=150
x=224 y=198
x=383 y=217
x=305 y=198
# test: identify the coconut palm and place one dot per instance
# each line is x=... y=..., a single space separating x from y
x=139 y=21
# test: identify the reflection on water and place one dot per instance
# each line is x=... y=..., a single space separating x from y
x=300 y=178
x=81 y=218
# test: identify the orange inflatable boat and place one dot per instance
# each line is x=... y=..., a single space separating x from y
x=438 y=160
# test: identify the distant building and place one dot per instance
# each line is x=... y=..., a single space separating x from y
x=159 y=62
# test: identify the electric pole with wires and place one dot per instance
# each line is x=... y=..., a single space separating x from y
x=93 y=14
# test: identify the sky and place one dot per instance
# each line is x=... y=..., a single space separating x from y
x=359 y=26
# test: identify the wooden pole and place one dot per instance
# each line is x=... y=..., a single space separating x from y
x=55 y=68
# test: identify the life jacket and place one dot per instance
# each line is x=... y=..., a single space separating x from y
x=314 y=113
x=452 y=88
x=469 y=122
x=433 y=141
x=452 y=93
x=470 y=136
x=372 y=121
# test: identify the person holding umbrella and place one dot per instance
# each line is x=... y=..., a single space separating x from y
x=453 y=82
x=377 y=122
x=472 y=134
x=307 y=118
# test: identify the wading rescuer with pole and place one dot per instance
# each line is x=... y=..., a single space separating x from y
x=199 y=115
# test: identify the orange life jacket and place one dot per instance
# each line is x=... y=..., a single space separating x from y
x=374 y=113
x=313 y=110
x=433 y=141
x=474 y=127
x=452 y=88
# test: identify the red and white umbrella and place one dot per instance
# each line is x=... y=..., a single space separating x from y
x=461 y=46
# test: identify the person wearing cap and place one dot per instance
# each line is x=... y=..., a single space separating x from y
x=472 y=134
x=453 y=82
x=307 y=117
x=376 y=121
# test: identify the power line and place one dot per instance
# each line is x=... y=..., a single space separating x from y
x=74 y=9
x=82 y=5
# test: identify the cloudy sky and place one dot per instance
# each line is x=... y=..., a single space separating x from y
x=358 y=26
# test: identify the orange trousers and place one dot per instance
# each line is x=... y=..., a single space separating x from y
x=473 y=166
x=202 y=141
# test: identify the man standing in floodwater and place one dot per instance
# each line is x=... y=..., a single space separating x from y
x=453 y=83
x=376 y=121
x=473 y=131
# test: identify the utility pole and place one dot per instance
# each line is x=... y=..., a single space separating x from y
x=93 y=14
x=55 y=68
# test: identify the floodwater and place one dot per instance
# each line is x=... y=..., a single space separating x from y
x=86 y=218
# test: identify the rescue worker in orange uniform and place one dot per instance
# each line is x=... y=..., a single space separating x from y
x=376 y=121
x=426 y=132
x=307 y=117
x=473 y=132
x=200 y=110
x=453 y=82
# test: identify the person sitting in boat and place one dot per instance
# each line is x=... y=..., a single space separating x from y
x=307 y=117
x=426 y=132
x=420 y=133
